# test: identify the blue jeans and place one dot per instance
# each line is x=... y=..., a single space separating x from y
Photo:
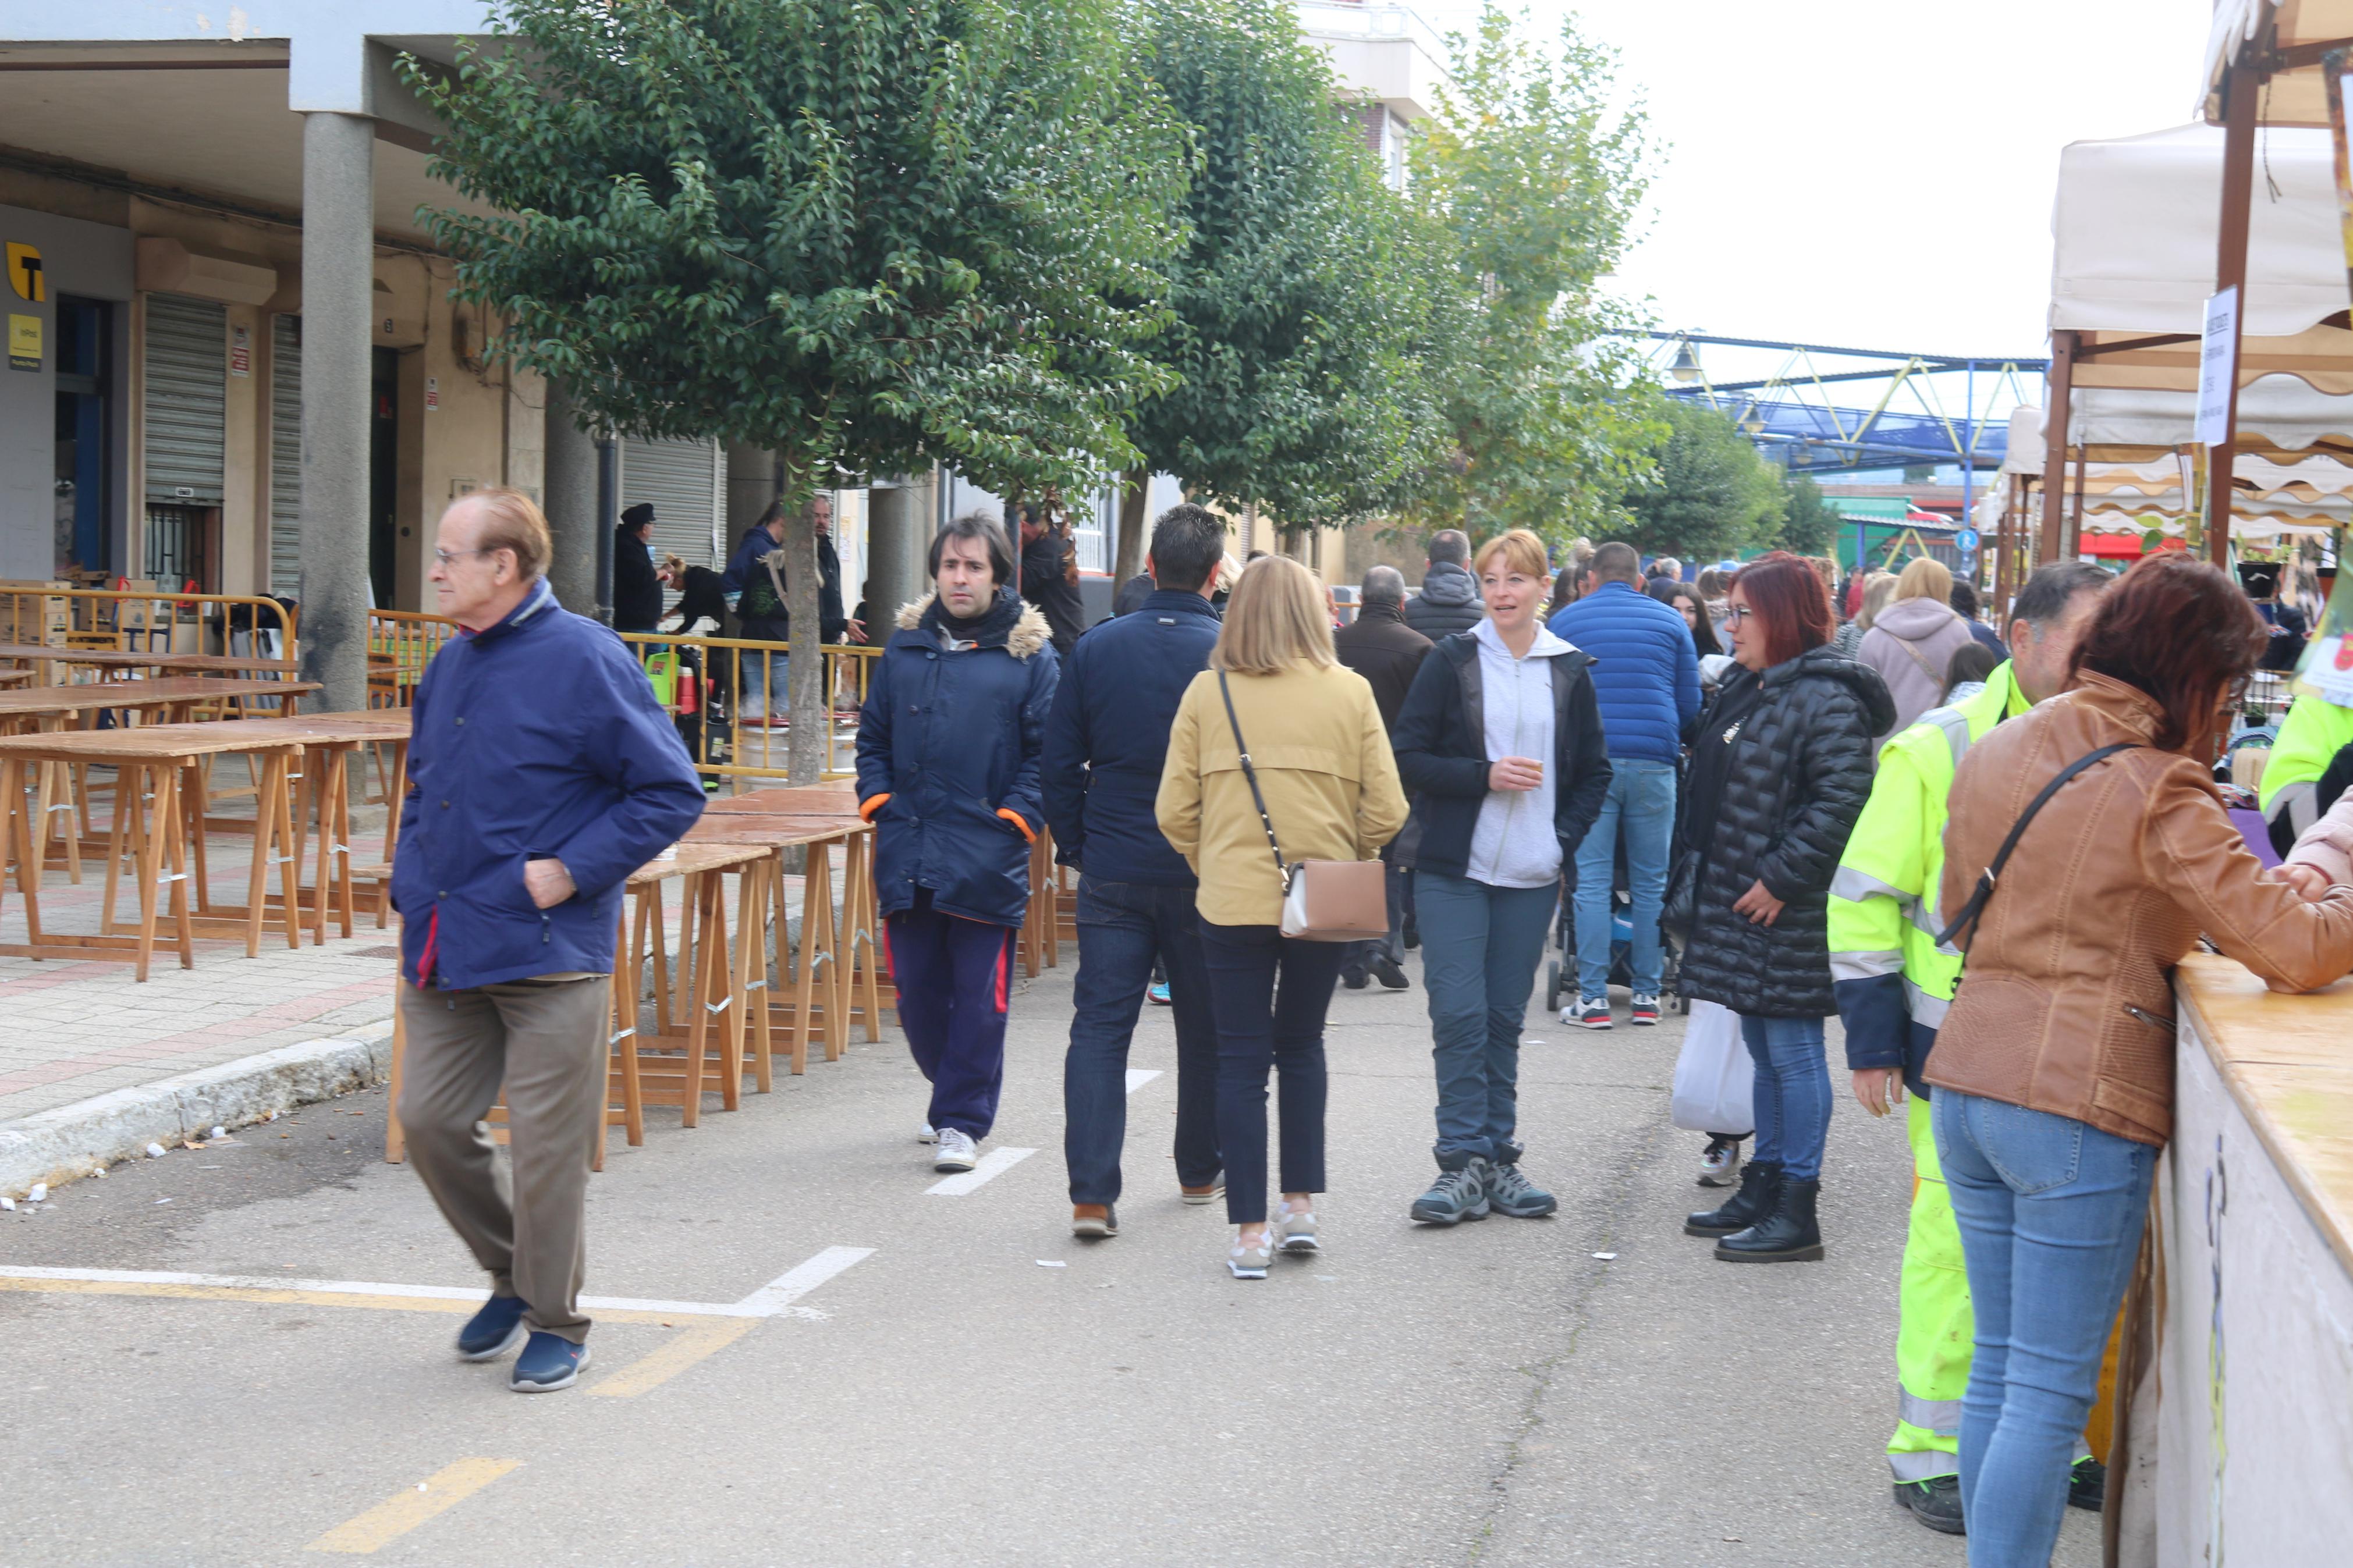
x=762 y=673
x=1263 y=1025
x=1479 y=951
x=1792 y=1093
x=2051 y=1212
x=1640 y=805
x=1123 y=928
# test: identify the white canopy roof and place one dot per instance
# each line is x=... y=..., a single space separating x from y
x=2295 y=96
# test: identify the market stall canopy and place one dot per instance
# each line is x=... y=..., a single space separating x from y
x=2293 y=93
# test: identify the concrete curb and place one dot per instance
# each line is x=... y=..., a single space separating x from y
x=57 y=1146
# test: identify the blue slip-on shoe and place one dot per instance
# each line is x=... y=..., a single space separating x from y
x=494 y=1330
x=548 y=1362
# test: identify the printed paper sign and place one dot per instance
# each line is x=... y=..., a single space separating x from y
x=24 y=342
x=2218 y=365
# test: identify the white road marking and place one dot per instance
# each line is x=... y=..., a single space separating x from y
x=996 y=1162
x=1138 y=1077
x=770 y=1301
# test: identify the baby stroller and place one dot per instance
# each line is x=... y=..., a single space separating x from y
x=1560 y=974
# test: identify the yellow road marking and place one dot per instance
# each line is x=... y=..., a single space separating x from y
x=404 y=1511
x=298 y=1298
x=690 y=1346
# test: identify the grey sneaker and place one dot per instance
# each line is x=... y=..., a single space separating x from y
x=1248 y=1259
x=1455 y=1196
x=1719 y=1164
x=1294 y=1229
x=1514 y=1195
x=957 y=1151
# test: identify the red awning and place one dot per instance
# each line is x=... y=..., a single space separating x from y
x=2114 y=546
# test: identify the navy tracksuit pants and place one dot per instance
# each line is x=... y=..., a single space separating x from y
x=953 y=975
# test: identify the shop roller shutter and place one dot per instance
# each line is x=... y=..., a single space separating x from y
x=185 y=407
x=286 y=456
x=687 y=483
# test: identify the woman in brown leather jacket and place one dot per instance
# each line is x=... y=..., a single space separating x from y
x=2053 y=1071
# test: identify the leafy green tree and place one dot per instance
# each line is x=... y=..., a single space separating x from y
x=861 y=237
x=1301 y=309
x=1809 y=525
x=1536 y=172
x=1710 y=494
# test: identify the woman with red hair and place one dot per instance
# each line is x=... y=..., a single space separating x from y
x=2054 y=1071
x=1779 y=770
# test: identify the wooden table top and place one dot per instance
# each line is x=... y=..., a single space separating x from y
x=820 y=800
x=143 y=693
x=320 y=729
x=147 y=743
x=14 y=676
x=227 y=664
x=692 y=860
x=772 y=832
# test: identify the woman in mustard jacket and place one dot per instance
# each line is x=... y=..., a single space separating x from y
x=1321 y=756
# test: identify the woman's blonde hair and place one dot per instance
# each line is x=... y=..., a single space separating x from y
x=1877 y=589
x=1522 y=551
x=1275 y=620
x=1926 y=578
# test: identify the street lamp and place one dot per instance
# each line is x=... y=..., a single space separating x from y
x=1686 y=366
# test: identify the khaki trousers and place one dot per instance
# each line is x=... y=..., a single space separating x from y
x=546 y=1042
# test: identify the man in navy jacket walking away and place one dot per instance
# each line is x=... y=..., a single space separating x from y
x=1104 y=751
x=1646 y=674
x=541 y=774
x=947 y=772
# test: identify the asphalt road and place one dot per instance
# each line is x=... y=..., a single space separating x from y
x=981 y=1388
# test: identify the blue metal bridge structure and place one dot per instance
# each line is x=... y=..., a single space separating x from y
x=1905 y=418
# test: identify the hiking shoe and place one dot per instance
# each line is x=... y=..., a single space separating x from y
x=1513 y=1193
x=1457 y=1195
x=494 y=1330
x=927 y=1133
x=1645 y=1009
x=2087 y=1485
x=957 y=1152
x=1934 y=1502
x=1209 y=1192
x=1159 y=994
x=1589 y=1013
x=1391 y=974
x=548 y=1362
x=1294 y=1229
x=1719 y=1163
x=1248 y=1259
x=1094 y=1220
x=1355 y=979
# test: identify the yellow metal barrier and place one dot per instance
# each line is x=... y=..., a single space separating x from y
x=142 y=620
x=703 y=692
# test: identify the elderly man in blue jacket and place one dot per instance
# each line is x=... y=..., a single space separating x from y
x=541 y=774
x=1104 y=749
x=1646 y=675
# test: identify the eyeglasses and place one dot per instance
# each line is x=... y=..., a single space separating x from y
x=450 y=557
x=1739 y=612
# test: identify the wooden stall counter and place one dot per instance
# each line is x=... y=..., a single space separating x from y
x=2253 y=1207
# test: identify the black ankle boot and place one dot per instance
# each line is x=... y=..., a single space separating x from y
x=1760 y=1179
x=1788 y=1234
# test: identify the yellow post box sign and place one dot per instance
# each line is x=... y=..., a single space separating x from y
x=24 y=342
x=25 y=275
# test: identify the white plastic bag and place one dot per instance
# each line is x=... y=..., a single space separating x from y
x=1714 y=1077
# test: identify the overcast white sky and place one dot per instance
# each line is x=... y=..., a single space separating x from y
x=1874 y=174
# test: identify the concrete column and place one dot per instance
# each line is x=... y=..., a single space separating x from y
x=338 y=316
x=897 y=534
x=571 y=504
x=750 y=487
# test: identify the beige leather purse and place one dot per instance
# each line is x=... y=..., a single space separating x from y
x=1323 y=901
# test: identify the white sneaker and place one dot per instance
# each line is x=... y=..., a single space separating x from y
x=927 y=1133
x=1294 y=1229
x=957 y=1151
x=1247 y=1260
x=1719 y=1164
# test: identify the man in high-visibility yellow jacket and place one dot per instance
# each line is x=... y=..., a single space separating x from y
x=1894 y=985
x=2313 y=732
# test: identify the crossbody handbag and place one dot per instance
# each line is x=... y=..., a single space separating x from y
x=1975 y=908
x=1323 y=901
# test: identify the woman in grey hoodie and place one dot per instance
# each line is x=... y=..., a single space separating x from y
x=1913 y=639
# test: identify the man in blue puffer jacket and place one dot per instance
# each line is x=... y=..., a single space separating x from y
x=948 y=772
x=541 y=774
x=1646 y=674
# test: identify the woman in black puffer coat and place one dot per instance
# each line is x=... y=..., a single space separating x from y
x=1779 y=770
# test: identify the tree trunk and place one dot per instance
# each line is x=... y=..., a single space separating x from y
x=1137 y=484
x=805 y=743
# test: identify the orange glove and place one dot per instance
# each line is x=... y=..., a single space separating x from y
x=1014 y=817
x=870 y=805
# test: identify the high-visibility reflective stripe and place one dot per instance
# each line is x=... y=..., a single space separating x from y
x=1925 y=1009
x=1866 y=965
x=1942 y=1416
x=1855 y=885
x=1924 y=1464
